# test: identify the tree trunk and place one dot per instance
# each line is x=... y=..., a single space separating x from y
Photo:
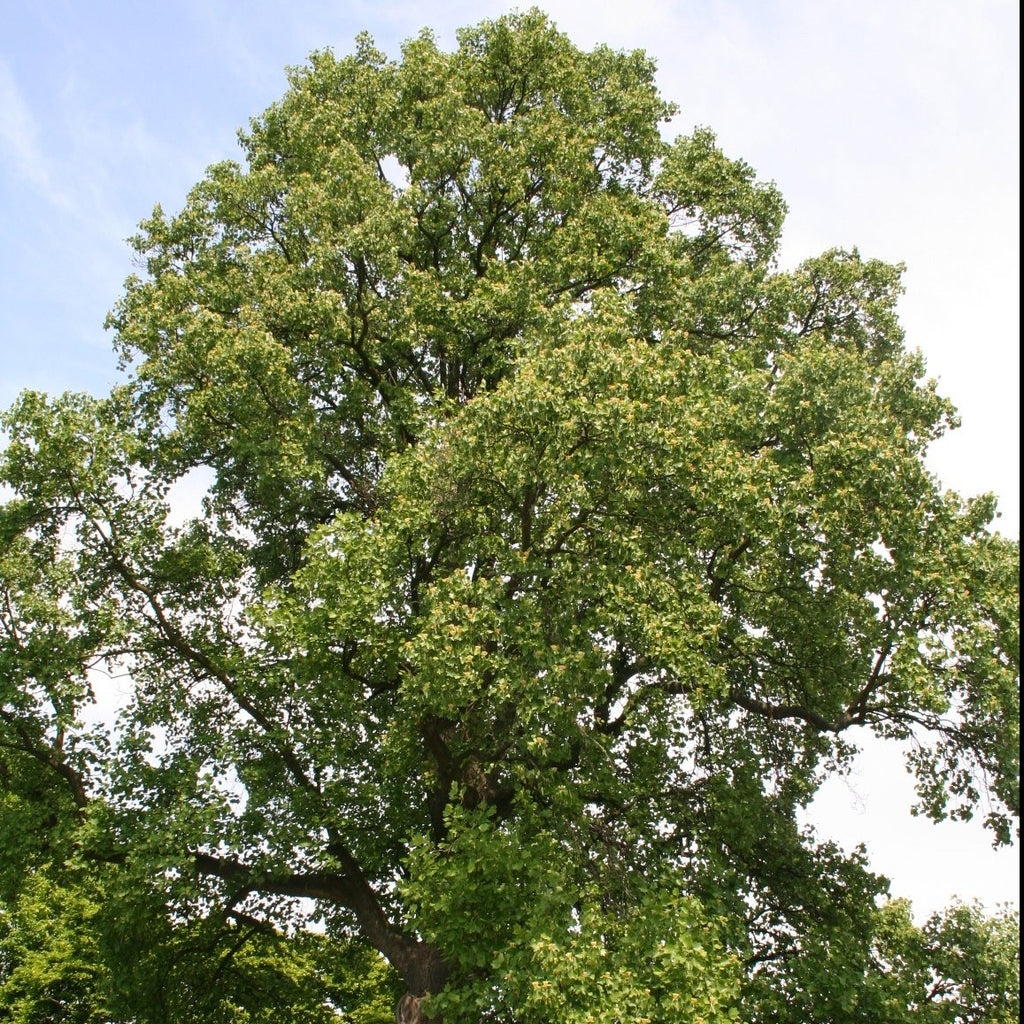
x=423 y=970
x=408 y=1010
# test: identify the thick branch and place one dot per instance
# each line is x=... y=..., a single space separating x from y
x=782 y=712
x=49 y=757
x=421 y=967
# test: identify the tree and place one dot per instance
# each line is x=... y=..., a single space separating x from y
x=69 y=953
x=555 y=546
x=960 y=968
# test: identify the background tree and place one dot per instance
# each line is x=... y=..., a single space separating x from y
x=960 y=967
x=71 y=953
x=555 y=548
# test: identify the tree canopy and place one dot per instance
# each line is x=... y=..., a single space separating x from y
x=556 y=545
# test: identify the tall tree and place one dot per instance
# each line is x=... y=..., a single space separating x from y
x=555 y=546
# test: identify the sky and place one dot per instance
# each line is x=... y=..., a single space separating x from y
x=890 y=125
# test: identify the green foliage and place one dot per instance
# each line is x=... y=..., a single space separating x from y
x=71 y=951
x=556 y=545
x=50 y=967
x=962 y=967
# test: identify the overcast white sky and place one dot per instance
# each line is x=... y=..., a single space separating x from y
x=888 y=124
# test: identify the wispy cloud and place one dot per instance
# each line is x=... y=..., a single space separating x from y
x=19 y=146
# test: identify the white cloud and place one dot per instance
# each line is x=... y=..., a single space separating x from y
x=19 y=145
x=928 y=863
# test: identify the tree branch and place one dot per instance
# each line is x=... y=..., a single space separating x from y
x=421 y=966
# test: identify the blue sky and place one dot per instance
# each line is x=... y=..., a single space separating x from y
x=887 y=124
